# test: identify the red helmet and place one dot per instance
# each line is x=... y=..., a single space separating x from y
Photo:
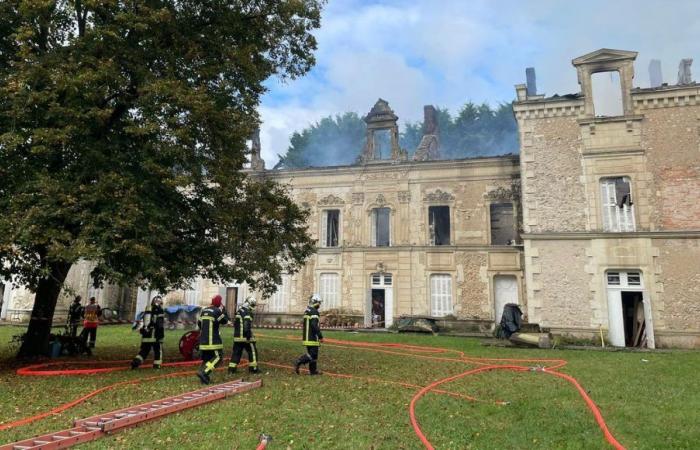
x=216 y=301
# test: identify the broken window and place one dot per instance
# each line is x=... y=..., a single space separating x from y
x=330 y=228
x=607 y=94
x=440 y=295
x=618 y=208
x=329 y=290
x=381 y=230
x=502 y=224
x=439 y=225
x=382 y=144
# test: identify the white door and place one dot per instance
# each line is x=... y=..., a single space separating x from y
x=368 y=309
x=142 y=299
x=388 y=307
x=616 y=323
x=505 y=290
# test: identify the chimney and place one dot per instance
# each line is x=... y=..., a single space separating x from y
x=430 y=125
x=531 y=82
x=256 y=161
x=655 y=77
x=684 y=75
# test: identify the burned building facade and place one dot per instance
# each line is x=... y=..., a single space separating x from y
x=611 y=208
x=594 y=229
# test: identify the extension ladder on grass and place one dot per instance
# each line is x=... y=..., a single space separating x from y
x=92 y=428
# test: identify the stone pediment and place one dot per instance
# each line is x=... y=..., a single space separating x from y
x=604 y=55
x=438 y=196
x=331 y=200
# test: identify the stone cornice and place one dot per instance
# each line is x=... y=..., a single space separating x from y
x=666 y=97
x=587 y=235
x=422 y=248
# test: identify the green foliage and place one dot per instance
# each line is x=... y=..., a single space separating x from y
x=342 y=413
x=477 y=130
x=332 y=141
x=122 y=135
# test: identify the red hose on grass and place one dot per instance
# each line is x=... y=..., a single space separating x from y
x=486 y=364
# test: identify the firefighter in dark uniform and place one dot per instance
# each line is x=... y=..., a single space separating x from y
x=210 y=344
x=75 y=313
x=243 y=337
x=312 y=337
x=152 y=334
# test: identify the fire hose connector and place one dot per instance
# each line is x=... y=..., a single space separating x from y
x=537 y=368
x=265 y=438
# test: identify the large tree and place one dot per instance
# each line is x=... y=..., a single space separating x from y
x=123 y=128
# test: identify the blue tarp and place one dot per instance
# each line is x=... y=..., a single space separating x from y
x=177 y=308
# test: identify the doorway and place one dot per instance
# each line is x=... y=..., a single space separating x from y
x=378 y=308
x=633 y=318
x=505 y=290
x=629 y=310
x=380 y=301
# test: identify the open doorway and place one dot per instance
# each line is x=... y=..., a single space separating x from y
x=633 y=318
x=378 y=308
x=629 y=310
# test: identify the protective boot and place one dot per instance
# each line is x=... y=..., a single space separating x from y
x=313 y=368
x=203 y=376
x=232 y=369
x=253 y=370
x=303 y=359
x=136 y=362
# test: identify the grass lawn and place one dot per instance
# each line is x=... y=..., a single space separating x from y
x=649 y=400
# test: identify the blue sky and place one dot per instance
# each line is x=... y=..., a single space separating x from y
x=446 y=52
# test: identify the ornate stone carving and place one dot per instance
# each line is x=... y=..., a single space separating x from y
x=500 y=193
x=404 y=196
x=380 y=200
x=305 y=205
x=380 y=267
x=331 y=200
x=439 y=196
x=358 y=198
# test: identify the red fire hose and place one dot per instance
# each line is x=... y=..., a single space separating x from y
x=547 y=366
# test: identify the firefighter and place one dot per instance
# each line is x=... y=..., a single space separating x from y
x=210 y=344
x=243 y=337
x=91 y=315
x=152 y=334
x=312 y=337
x=75 y=312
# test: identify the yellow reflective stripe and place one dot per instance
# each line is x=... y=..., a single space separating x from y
x=254 y=362
x=211 y=333
x=311 y=343
x=314 y=316
x=221 y=317
x=306 y=336
x=139 y=357
x=148 y=340
x=232 y=365
x=211 y=347
x=206 y=318
x=248 y=317
x=158 y=361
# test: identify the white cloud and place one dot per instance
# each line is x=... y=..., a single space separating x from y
x=445 y=53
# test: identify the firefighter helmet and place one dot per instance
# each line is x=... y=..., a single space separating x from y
x=315 y=299
x=250 y=302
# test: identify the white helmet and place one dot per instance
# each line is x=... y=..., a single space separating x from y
x=315 y=299
x=250 y=302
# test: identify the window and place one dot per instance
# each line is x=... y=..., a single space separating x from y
x=378 y=278
x=440 y=295
x=502 y=224
x=607 y=94
x=330 y=228
x=192 y=295
x=330 y=290
x=634 y=279
x=381 y=232
x=614 y=278
x=280 y=299
x=382 y=144
x=616 y=199
x=439 y=225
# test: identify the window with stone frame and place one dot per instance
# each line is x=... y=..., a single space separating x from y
x=381 y=227
x=502 y=224
x=279 y=301
x=440 y=295
x=617 y=204
x=439 y=225
x=330 y=228
x=329 y=289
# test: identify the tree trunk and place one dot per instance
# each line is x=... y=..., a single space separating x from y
x=36 y=341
